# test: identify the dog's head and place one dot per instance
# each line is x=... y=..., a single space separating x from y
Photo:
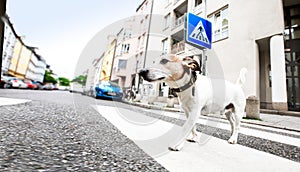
x=170 y=69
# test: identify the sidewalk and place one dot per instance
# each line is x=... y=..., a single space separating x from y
x=210 y=154
x=287 y=120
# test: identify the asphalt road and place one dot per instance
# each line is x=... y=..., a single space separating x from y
x=59 y=131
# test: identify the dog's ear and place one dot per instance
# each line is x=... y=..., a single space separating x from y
x=193 y=64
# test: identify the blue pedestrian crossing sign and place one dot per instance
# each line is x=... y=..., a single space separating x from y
x=198 y=31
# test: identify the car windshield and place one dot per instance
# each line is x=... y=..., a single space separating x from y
x=114 y=84
x=106 y=83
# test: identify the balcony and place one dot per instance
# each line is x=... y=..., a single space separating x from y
x=178 y=22
x=177 y=48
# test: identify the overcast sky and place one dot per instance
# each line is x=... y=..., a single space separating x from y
x=62 y=28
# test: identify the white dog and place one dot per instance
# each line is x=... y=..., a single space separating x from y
x=199 y=94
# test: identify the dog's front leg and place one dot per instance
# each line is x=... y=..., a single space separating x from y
x=192 y=114
x=193 y=137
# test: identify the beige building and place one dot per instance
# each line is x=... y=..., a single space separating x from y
x=20 y=60
x=107 y=62
x=262 y=36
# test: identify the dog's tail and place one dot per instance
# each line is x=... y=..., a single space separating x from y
x=242 y=77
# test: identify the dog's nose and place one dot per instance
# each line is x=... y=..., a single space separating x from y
x=143 y=72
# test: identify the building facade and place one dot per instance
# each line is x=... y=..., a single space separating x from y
x=257 y=38
x=8 y=45
x=264 y=38
x=108 y=60
x=36 y=68
x=127 y=54
x=292 y=51
x=93 y=75
x=2 y=27
x=20 y=60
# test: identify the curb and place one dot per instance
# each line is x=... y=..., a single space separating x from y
x=150 y=106
x=287 y=113
x=271 y=126
x=278 y=112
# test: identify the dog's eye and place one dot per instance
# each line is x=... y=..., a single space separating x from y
x=164 y=61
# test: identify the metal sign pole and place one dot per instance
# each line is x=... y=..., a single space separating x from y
x=203 y=60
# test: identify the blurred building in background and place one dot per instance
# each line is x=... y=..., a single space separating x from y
x=18 y=59
x=8 y=45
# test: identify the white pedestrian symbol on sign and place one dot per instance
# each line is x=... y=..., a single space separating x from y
x=199 y=33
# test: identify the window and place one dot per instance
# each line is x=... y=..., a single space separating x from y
x=138 y=42
x=165 y=44
x=167 y=21
x=198 y=2
x=125 y=48
x=141 y=40
x=122 y=64
x=220 y=25
x=126 y=34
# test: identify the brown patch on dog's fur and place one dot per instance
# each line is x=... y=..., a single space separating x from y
x=193 y=64
x=230 y=106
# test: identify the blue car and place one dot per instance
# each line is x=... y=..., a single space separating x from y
x=109 y=90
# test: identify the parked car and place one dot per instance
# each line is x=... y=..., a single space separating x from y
x=55 y=87
x=30 y=84
x=5 y=82
x=48 y=86
x=17 y=83
x=107 y=89
x=38 y=85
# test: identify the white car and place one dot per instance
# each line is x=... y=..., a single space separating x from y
x=18 y=83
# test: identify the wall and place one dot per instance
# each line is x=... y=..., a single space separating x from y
x=15 y=57
x=23 y=62
x=2 y=13
x=8 y=47
x=108 y=61
x=246 y=26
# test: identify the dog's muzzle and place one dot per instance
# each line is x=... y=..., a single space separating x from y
x=152 y=76
x=143 y=73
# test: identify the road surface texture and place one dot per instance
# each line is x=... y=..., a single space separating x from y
x=49 y=134
x=61 y=131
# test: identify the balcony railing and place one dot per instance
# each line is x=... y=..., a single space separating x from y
x=178 y=47
x=178 y=22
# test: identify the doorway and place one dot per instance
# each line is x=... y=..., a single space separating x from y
x=265 y=78
x=292 y=52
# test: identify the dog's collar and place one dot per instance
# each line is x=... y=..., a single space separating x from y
x=187 y=85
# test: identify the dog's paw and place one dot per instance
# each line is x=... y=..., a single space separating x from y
x=176 y=147
x=191 y=140
x=232 y=141
x=173 y=149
